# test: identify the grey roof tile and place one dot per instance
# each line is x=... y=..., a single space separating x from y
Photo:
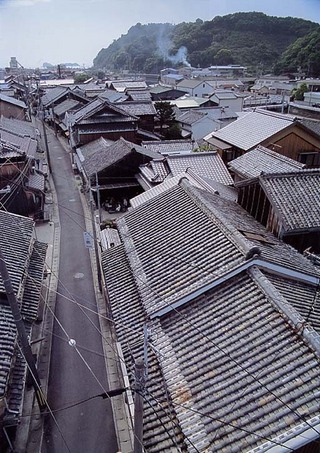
x=109 y=154
x=263 y=160
x=53 y=94
x=209 y=165
x=138 y=108
x=22 y=143
x=296 y=198
x=170 y=146
x=16 y=252
x=18 y=127
x=233 y=360
x=252 y=128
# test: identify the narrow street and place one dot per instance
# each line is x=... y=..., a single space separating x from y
x=80 y=421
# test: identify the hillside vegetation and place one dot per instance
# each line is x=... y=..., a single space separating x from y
x=252 y=39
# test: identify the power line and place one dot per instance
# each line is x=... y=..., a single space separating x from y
x=223 y=351
x=223 y=422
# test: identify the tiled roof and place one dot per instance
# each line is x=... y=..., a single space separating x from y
x=155 y=171
x=53 y=94
x=237 y=369
x=252 y=128
x=11 y=100
x=313 y=125
x=7 y=345
x=109 y=112
x=18 y=127
x=170 y=182
x=209 y=165
x=24 y=259
x=129 y=84
x=90 y=148
x=36 y=181
x=138 y=108
x=177 y=252
x=16 y=251
x=238 y=373
x=23 y=144
x=109 y=155
x=296 y=198
x=277 y=252
x=65 y=106
x=304 y=298
x=261 y=159
x=169 y=146
x=139 y=95
x=190 y=117
x=86 y=110
x=113 y=96
x=160 y=424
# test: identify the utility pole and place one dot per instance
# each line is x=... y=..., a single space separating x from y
x=94 y=232
x=54 y=121
x=138 y=406
x=98 y=196
x=22 y=334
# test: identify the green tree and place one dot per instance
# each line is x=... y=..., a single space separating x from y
x=80 y=78
x=298 y=93
x=173 y=132
x=223 y=57
x=165 y=114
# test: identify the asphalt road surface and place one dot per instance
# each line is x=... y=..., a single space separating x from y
x=81 y=422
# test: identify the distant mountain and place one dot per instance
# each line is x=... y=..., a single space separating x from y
x=251 y=39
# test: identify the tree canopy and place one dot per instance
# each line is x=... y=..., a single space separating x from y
x=249 y=39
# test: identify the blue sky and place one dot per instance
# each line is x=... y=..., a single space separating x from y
x=58 y=31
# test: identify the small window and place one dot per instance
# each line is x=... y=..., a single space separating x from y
x=311 y=159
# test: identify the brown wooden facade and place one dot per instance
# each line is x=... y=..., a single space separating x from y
x=254 y=200
x=296 y=142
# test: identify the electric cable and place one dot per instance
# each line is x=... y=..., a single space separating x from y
x=179 y=313
x=223 y=422
x=39 y=388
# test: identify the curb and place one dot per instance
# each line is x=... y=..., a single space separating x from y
x=114 y=376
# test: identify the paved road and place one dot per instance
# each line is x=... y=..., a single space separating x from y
x=79 y=373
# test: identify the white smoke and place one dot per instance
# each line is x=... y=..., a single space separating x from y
x=180 y=57
x=164 y=45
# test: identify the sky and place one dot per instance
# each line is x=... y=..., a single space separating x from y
x=74 y=31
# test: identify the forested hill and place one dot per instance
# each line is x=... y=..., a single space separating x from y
x=251 y=39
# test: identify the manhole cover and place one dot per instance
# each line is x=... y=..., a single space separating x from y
x=78 y=275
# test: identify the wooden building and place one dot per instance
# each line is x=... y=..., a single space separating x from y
x=285 y=134
x=288 y=204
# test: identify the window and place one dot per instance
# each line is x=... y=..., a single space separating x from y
x=310 y=159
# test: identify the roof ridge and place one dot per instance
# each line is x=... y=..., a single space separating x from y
x=301 y=172
x=297 y=321
x=243 y=244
